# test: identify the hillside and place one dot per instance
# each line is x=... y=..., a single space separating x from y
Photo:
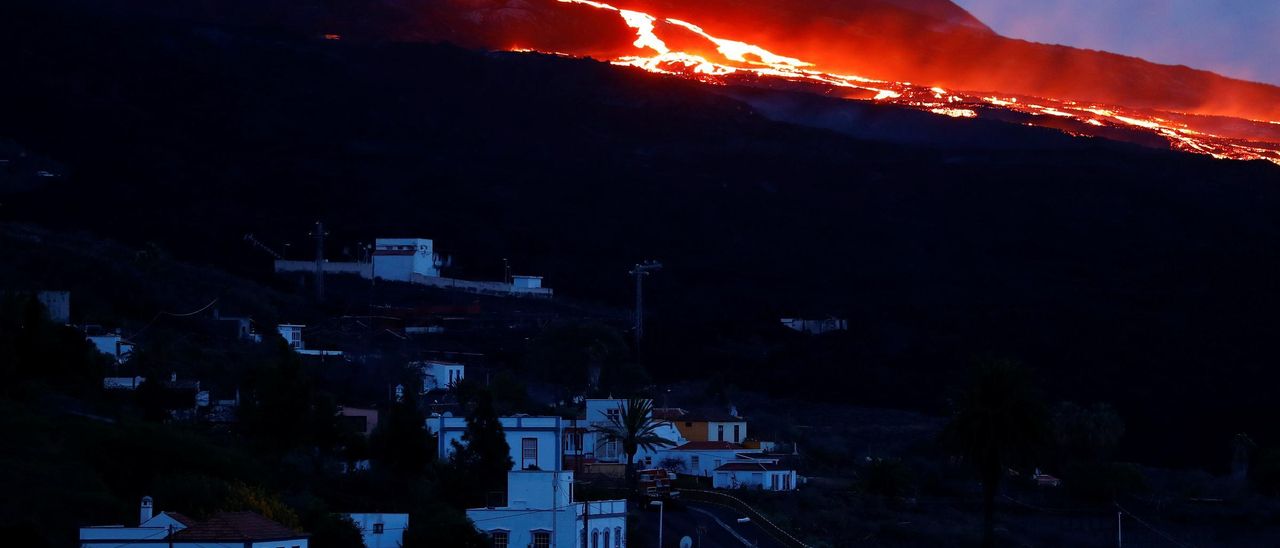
x=1137 y=277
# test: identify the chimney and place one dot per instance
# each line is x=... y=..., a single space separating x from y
x=144 y=513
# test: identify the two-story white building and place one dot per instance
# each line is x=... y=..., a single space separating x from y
x=600 y=413
x=541 y=512
x=399 y=259
x=534 y=441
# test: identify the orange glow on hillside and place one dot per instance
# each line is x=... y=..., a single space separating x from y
x=713 y=59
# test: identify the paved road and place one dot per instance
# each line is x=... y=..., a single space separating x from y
x=715 y=526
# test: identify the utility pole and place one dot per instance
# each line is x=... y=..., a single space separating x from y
x=640 y=271
x=319 y=235
x=1119 y=529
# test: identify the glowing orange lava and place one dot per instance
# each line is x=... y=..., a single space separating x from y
x=742 y=63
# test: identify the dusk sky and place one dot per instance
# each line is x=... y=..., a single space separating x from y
x=1238 y=38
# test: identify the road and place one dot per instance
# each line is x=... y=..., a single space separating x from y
x=708 y=525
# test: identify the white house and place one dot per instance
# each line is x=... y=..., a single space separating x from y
x=526 y=282
x=381 y=530
x=398 y=259
x=816 y=327
x=600 y=413
x=534 y=441
x=292 y=335
x=112 y=344
x=702 y=458
x=221 y=530
x=766 y=474
x=439 y=375
x=541 y=513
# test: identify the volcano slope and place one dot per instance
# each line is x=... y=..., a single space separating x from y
x=1128 y=275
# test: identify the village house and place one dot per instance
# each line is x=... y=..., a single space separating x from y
x=414 y=260
x=292 y=335
x=600 y=413
x=702 y=458
x=109 y=343
x=707 y=425
x=541 y=512
x=221 y=530
x=764 y=473
x=381 y=530
x=534 y=441
x=438 y=375
x=816 y=327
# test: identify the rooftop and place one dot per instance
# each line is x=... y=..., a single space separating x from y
x=709 y=446
x=753 y=467
x=236 y=526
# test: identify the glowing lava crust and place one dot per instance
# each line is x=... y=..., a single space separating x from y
x=702 y=56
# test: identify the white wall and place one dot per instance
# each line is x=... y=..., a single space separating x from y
x=439 y=375
x=713 y=431
x=393 y=527
x=398 y=259
x=700 y=463
x=738 y=479
x=598 y=411
x=544 y=431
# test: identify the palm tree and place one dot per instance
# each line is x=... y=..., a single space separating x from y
x=634 y=428
x=1000 y=422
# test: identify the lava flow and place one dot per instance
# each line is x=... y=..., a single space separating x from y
x=681 y=48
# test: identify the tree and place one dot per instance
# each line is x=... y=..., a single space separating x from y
x=483 y=454
x=330 y=530
x=635 y=428
x=401 y=442
x=1000 y=422
x=1086 y=433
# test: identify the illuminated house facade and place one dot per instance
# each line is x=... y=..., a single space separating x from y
x=399 y=259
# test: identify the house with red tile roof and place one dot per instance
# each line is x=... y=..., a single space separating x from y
x=171 y=529
x=701 y=458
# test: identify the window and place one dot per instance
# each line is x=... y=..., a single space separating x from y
x=528 y=453
x=774 y=481
x=501 y=539
x=719 y=432
x=693 y=463
x=541 y=539
x=786 y=482
x=648 y=461
x=595 y=538
x=737 y=432
x=606 y=538
x=377 y=528
x=617 y=537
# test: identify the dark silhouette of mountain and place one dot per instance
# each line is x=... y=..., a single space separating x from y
x=1135 y=276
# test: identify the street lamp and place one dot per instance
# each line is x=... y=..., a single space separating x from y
x=661 y=510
